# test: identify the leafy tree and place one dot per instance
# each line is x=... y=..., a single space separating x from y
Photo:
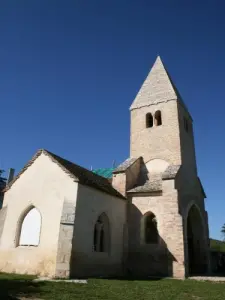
x=223 y=231
x=2 y=179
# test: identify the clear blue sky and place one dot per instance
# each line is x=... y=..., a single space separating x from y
x=69 y=71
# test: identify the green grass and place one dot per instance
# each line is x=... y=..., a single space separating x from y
x=16 y=287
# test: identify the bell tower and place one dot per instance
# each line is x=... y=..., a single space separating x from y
x=161 y=126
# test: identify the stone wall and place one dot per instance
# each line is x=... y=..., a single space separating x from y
x=162 y=142
x=125 y=180
x=45 y=186
x=3 y=212
x=65 y=242
x=167 y=257
x=90 y=205
x=200 y=228
x=169 y=143
x=188 y=157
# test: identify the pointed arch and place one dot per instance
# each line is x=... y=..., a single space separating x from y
x=158 y=118
x=29 y=227
x=101 y=239
x=149 y=120
x=196 y=241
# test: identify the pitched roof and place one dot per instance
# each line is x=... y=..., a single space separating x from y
x=78 y=173
x=148 y=186
x=154 y=182
x=158 y=87
x=125 y=165
x=171 y=172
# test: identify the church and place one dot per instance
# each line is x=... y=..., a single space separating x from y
x=146 y=217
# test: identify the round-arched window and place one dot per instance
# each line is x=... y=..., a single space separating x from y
x=149 y=120
x=158 y=118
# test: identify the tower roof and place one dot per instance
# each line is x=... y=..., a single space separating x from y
x=157 y=87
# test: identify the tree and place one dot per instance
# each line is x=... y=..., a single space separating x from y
x=223 y=231
x=2 y=179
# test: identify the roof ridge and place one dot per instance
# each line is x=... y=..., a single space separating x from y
x=126 y=164
x=55 y=156
x=77 y=172
x=27 y=165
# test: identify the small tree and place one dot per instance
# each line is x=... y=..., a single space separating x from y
x=223 y=231
x=2 y=179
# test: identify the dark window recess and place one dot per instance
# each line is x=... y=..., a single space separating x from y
x=101 y=239
x=149 y=120
x=151 y=230
x=158 y=118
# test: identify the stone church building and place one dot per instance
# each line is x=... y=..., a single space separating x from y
x=148 y=218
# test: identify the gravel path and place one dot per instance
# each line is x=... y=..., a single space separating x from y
x=60 y=280
x=208 y=278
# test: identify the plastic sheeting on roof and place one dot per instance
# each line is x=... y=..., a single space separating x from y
x=104 y=172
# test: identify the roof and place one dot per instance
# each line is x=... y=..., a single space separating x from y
x=171 y=172
x=78 y=173
x=154 y=182
x=158 y=87
x=104 y=172
x=148 y=186
x=125 y=165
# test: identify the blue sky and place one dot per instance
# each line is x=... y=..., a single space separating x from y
x=69 y=70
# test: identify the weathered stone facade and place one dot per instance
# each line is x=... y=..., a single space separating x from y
x=153 y=206
x=171 y=144
x=69 y=211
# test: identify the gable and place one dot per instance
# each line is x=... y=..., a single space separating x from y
x=76 y=172
x=38 y=173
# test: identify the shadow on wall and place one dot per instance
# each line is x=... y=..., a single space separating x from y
x=147 y=257
x=148 y=253
x=197 y=255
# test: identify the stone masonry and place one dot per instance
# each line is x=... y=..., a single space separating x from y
x=171 y=185
x=65 y=240
x=156 y=192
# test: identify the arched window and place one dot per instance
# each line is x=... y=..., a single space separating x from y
x=158 y=118
x=149 y=120
x=30 y=228
x=102 y=234
x=150 y=229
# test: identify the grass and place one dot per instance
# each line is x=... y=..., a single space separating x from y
x=19 y=287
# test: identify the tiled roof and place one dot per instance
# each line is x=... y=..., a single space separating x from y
x=171 y=172
x=148 y=186
x=124 y=165
x=154 y=182
x=78 y=173
x=158 y=87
